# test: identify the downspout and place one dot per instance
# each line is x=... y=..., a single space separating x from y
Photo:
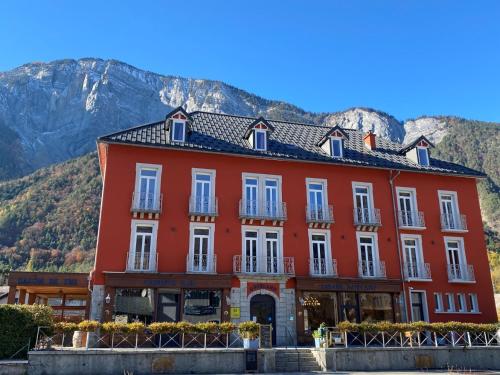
x=398 y=240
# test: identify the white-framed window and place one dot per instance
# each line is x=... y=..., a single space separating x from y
x=147 y=186
x=320 y=253
x=261 y=195
x=369 y=263
x=423 y=156
x=336 y=147
x=178 y=130
x=419 y=312
x=203 y=190
x=413 y=257
x=473 y=304
x=363 y=201
x=438 y=302
x=262 y=249
x=455 y=256
x=142 y=253
x=450 y=213
x=317 y=198
x=450 y=302
x=407 y=206
x=260 y=139
x=462 y=307
x=201 y=247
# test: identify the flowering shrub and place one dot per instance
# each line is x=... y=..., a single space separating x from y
x=440 y=328
x=66 y=327
x=248 y=330
x=113 y=327
x=226 y=327
x=206 y=327
x=88 y=325
x=163 y=327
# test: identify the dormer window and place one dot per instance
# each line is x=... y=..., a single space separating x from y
x=257 y=134
x=423 y=156
x=418 y=151
x=178 y=131
x=260 y=140
x=337 y=147
x=332 y=142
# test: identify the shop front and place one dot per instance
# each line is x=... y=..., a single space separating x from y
x=331 y=301
x=147 y=298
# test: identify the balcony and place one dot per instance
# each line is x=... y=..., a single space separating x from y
x=263 y=265
x=201 y=263
x=417 y=271
x=146 y=205
x=261 y=211
x=321 y=267
x=453 y=223
x=148 y=263
x=411 y=219
x=371 y=269
x=319 y=216
x=203 y=207
x=367 y=219
x=461 y=273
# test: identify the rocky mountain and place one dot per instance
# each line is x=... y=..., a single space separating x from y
x=55 y=111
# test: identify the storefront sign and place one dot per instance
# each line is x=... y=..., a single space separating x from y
x=48 y=282
x=352 y=287
x=271 y=287
x=171 y=283
x=235 y=312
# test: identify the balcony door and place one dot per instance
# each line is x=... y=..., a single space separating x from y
x=362 y=200
x=368 y=257
x=318 y=242
x=271 y=192
x=454 y=257
x=316 y=201
x=411 y=253
x=201 y=240
x=203 y=192
x=406 y=208
x=251 y=188
x=147 y=188
x=448 y=210
x=142 y=246
x=250 y=251
x=272 y=252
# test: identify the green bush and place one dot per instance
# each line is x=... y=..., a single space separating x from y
x=18 y=325
x=440 y=328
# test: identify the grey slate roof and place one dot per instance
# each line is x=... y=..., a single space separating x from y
x=215 y=132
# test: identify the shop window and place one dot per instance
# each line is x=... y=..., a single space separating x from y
x=202 y=306
x=376 y=307
x=320 y=308
x=134 y=305
x=349 y=307
x=55 y=301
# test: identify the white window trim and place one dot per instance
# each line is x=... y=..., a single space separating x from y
x=322 y=181
x=451 y=306
x=211 y=172
x=461 y=249
x=138 y=168
x=328 y=248
x=439 y=306
x=412 y=191
x=263 y=131
x=461 y=298
x=261 y=242
x=341 y=147
x=456 y=208
x=174 y=120
x=376 y=257
x=261 y=184
x=369 y=185
x=418 y=155
x=211 y=233
x=420 y=250
x=131 y=254
x=474 y=308
x=425 y=305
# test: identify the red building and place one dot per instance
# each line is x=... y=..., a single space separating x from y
x=208 y=216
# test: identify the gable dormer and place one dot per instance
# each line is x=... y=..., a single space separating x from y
x=257 y=134
x=418 y=151
x=333 y=142
x=178 y=125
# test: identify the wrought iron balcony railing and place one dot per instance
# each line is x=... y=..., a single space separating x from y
x=321 y=267
x=203 y=206
x=263 y=265
x=461 y=273
x=149 y=262
x=201 y=263
x=146 y=203
x=411 y=219
x=262 y=210
x=368 y=217
x=319 y=214
x=417 y=271
x=453 y=222
x=371 y=269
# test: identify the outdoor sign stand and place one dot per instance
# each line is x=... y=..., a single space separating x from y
x=265 y=336
x=251 y=360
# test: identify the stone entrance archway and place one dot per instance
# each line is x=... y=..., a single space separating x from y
x=263 y=310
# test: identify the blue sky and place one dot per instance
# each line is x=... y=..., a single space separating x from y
x=408 y=58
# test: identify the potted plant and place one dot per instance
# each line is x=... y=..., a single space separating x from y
x=318 y=338
x=249 y=332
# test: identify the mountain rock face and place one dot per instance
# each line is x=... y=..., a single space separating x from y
x=58 y=109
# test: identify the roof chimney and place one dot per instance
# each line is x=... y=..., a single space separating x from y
x=369 y=139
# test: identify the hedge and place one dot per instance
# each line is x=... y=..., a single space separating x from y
x=18 y=325
x=440 y=328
